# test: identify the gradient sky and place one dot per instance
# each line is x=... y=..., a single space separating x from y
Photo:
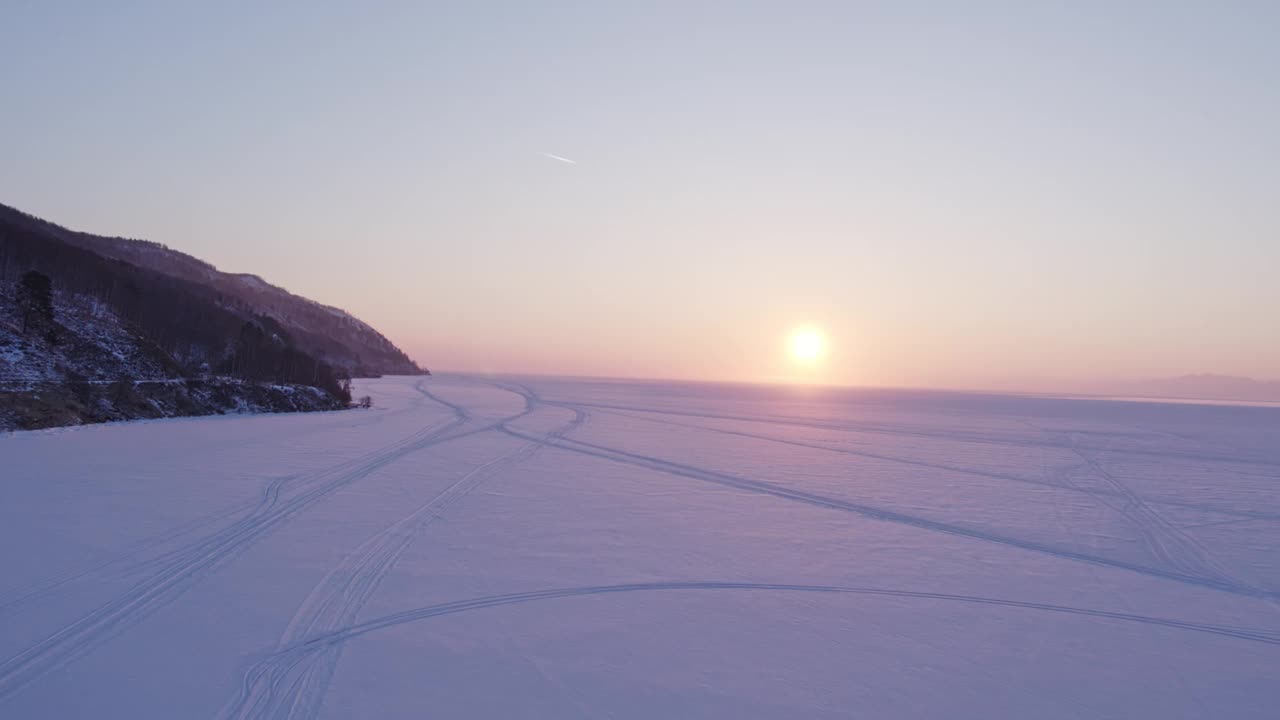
x=966 y=194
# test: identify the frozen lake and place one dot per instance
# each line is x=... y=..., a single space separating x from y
x=554 y=548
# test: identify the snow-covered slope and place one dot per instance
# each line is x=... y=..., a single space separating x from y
x=87 y=337
x=102 y=369
x=554 y=548
x=325 y=332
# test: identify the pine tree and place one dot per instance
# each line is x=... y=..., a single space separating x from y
x=35 y=302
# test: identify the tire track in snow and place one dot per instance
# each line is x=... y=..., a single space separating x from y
x=181 y=568
x=955 y=436
x=831 y=425
x=846 y=451
x=532 y=396
x=786 y=493
x=336 y=601
x=278 y=668
x=269 y=493
x=46 y=587
x=1182 y=554
x=1172 y=545
x=1251 y=515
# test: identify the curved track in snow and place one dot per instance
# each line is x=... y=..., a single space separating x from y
x=287 y=666
x=181 y=568
x=335 y=602
x=621 y=491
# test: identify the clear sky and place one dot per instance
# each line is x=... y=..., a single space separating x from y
x=957 y=194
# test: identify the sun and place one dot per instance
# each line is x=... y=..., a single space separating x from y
x=807 y=345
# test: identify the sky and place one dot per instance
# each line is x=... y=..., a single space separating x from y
x=1003 y=195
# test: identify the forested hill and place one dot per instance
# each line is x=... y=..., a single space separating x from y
x=326 y=333
x=87 y=337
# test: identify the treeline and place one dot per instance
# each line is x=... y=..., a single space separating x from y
x=263 y=352
x=184 y=319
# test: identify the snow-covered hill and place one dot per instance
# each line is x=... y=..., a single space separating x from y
x=327 y=333
x=86 y=337
x=99 y=369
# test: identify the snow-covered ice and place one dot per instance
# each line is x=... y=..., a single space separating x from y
x=547 y=548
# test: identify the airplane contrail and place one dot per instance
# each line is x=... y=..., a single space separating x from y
x=561 y=159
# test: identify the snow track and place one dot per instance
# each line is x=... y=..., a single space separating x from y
x=276 y=669
x=646 y=563
x=135 y=557
x=339 y=597
x=1174 y=546
x=932 y=465
x=1185 y=559
x=1006 y=439
x=180 y=569
x=786 y=493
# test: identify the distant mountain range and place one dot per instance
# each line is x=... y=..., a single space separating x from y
x=99 y=328
x=1205 y=387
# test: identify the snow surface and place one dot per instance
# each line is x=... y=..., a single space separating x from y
x=541 y=548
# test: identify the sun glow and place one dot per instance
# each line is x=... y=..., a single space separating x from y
x=806 y=345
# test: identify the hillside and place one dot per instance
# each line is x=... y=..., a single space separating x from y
x=326 y=333
x=94 y=367
x=86 y=337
